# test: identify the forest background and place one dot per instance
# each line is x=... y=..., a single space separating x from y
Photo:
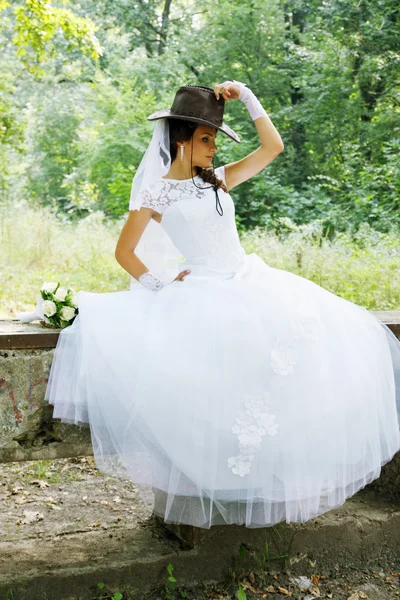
x=78 y=80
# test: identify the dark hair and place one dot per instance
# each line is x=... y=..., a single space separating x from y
x=181 y=130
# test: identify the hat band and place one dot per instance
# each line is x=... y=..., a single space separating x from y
x=189 y=113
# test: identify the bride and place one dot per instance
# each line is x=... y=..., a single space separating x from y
x=227 y=390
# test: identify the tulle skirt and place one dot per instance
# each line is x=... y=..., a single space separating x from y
x=250 y=399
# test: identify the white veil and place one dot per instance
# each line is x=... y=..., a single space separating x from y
x=155 y=248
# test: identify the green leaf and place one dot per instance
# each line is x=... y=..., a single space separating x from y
x=241 y=594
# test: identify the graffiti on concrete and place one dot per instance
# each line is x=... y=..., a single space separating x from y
x=22 y=388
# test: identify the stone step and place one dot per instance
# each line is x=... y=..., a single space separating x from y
x=60 y=557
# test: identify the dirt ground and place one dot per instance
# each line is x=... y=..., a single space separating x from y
x=37 y=495
x=338 y=585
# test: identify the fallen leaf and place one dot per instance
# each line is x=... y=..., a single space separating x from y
x=20 y=500
x=357 y=596
x=248 y=586
x=40 y=483
x=302 y=582
x=284 y=591
x=32 y=516
x=213 y=594
x=315 y=579
x=270 y=589
x=53 y=506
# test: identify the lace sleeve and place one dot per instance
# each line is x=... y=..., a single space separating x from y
x=150 y=197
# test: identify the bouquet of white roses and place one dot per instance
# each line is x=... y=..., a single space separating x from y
x=56 y=306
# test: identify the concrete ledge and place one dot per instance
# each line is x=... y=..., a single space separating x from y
x=17 y=335
x=14 y=334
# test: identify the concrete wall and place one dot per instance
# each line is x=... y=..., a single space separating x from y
x=27 y=431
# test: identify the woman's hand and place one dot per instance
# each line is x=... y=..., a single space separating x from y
x=181 y=275
x=228 y=90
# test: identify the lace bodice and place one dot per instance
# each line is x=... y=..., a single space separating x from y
x=207 y=240
x=162 y=193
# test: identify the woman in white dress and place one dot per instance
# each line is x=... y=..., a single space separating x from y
x=227 y=390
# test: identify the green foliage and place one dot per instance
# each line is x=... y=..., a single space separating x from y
x=78 y=81
x=171 y=585
x=116 y=596
x=54 y=142
x=119 y=187
x=37 y=24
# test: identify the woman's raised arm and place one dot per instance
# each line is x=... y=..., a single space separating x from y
x=270 y=140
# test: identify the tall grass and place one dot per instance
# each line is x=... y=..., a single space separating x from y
x=362 y=267
x=35 y=246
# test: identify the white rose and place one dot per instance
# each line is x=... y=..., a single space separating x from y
x=49 y=308
x=74 y=299
x=67 y=313
x=61 y=294
x=48 y=286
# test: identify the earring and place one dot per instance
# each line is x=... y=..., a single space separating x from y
x=182 y=151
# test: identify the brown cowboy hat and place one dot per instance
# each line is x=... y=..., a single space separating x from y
x=199 y=104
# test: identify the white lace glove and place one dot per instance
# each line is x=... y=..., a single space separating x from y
x=251 y=101
x=150 y=281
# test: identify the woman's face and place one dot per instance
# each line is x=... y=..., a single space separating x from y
x=203 y=146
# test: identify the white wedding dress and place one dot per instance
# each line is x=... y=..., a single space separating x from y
x=244 y=394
